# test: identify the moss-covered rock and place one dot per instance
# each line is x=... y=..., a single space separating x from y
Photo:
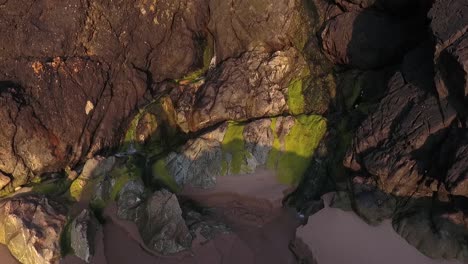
x=94 y=171
x=235 y=156
x=283 y=144
x=294 y=149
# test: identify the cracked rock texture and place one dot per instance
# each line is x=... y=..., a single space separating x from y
x=179 y=92
x=79 y=70
x=31 y=225
x=411 y=147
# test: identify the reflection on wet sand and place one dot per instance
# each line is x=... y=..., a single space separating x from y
x=336 y=236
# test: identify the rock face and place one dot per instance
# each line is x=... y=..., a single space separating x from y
x=283 y=144
x=109 y=58
x=90 y=68
x=31 y=225
x=387 y=143
x=194 y=89
x=406 y=157
x=404 y=142
x=235 y=91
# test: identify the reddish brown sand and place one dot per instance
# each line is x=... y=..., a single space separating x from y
x=336 y=236
x=250 y=204
x=6 y=257
x=261 y=231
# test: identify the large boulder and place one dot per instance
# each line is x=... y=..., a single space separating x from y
x=91 y=69
x=395 y=143
x=162 y=227
x=448 y=22
x=31 y=227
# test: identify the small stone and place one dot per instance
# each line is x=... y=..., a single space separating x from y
x=89 y=107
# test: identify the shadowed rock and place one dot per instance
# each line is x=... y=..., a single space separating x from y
x=437 y=230
x=367 y=39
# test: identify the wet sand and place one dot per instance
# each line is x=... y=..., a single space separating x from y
x=250 y=204
x=261 y=232
x=336 y=236
x=6 y=257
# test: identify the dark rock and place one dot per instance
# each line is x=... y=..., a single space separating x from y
x=395 y=142
x=452 y=74
x=31 y=226
x=356 y=86
x=395 y=7
x=437 y=230
x=341 y=200
x=455 y=153
x=326 y=10
x=368 y=39
x=406 y=141
x=449 y=21
x=202 y=223
x=417 y=67
x=372 y=204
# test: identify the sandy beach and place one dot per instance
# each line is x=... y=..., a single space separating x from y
x=250 y=204
x=336 y=236
x=261 y=232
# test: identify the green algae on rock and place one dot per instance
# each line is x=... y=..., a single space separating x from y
x=293 y=155
x=296 y=101
x=235 y=155
x=283 y=144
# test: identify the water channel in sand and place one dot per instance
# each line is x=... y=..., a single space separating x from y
x=251 y=205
